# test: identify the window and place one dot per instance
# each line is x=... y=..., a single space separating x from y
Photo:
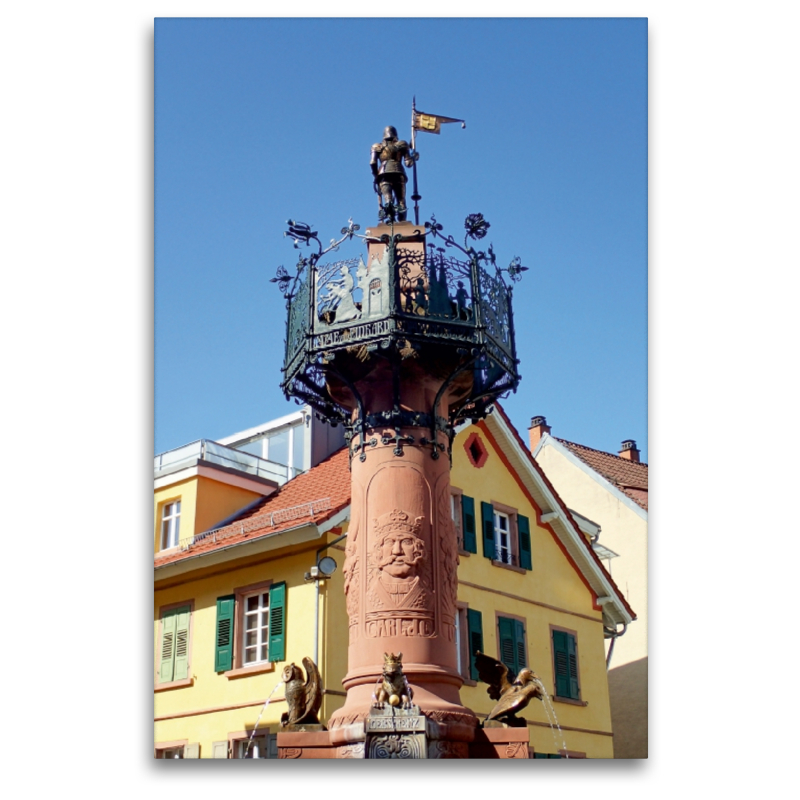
x=565 y=664
x=170 y=524
x=174 y=644
x=512 y=650
x=455 y=513
x=255 y=631
x=506 y=536
x=251 y=627
x=263 y=746
x=502 y=538
x=170 y=752
x=177 y=749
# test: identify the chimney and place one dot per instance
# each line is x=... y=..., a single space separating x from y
x=538 y=428
x=629 y=451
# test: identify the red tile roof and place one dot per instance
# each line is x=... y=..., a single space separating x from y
x=314 y=496
x=630 y=477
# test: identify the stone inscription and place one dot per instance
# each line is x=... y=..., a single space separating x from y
x=392 y=626
x=395 y=723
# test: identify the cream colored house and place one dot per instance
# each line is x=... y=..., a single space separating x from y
x=607 y=494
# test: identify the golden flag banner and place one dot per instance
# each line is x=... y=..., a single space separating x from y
x=432 y=123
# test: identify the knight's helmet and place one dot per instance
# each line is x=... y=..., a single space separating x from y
x=389 y=132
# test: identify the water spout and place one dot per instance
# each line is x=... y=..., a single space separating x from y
x=255 y=727
x=550 y=711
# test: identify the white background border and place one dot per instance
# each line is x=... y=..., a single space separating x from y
x=77 y=332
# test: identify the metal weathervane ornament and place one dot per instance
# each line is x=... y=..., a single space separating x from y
x=414 y=298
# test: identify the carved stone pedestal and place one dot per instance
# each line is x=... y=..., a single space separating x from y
x=500 y=743
x=404 y=733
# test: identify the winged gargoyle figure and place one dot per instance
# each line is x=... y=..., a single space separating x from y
x=304 y=698
x=512 y=694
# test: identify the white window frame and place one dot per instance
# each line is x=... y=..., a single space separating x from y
x=499 y=548
x=262 y=631
x=170 y=524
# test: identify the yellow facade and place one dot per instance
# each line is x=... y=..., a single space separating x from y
x=231 y=704
x=212 y=706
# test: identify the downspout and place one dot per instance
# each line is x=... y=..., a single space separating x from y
x=614 y=635
x=316 y=598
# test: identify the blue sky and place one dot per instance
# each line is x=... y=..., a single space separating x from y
x=262 y=120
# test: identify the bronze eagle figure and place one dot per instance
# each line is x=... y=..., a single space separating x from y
x=513 y=694
x=304 y=697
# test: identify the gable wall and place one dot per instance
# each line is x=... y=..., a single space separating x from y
x=622 y=530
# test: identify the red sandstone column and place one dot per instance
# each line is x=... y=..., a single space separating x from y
x=401 y=564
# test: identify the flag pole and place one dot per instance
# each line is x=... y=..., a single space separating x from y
x=416 y=196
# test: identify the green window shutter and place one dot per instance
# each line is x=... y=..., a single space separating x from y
x=468 y=524
x=519 y=645
x=223 y=655
x=166 y=669
x=182 y=617
x=277 y=622
x=507 y=644
x=475 y=625
x=487 y=519
x=566 y=665
x=572 y=654
x=524 y=532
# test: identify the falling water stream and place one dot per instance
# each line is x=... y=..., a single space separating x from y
x=255 y=727
x=552 y=718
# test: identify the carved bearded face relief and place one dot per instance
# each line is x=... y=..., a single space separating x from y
x=400 y=553
x=398 y=549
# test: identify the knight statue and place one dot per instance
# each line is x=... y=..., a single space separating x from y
x=386 y=163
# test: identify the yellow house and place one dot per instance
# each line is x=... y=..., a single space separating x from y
x=612 y=491
x=237 y=601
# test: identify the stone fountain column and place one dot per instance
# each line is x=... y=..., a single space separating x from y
x=400 y=365
x=401 y=564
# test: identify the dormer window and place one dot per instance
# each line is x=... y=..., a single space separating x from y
x=170 y=524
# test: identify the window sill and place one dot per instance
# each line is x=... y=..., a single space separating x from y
x=570 y=701
x=462 y=552
x=469 y=682
x=255 y=669
x=509 y=566
x=165 y=687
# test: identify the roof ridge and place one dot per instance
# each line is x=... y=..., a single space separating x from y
x=602 y=452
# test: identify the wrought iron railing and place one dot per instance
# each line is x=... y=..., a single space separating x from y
x=407 y=298
x=215 y=453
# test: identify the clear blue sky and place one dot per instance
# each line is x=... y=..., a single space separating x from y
x=262 y=120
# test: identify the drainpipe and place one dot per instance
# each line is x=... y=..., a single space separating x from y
x=614 y=636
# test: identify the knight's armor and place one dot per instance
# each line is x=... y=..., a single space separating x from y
x=386 y=162
x=388 y=156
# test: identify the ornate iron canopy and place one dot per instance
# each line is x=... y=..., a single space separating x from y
x=439 y=295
